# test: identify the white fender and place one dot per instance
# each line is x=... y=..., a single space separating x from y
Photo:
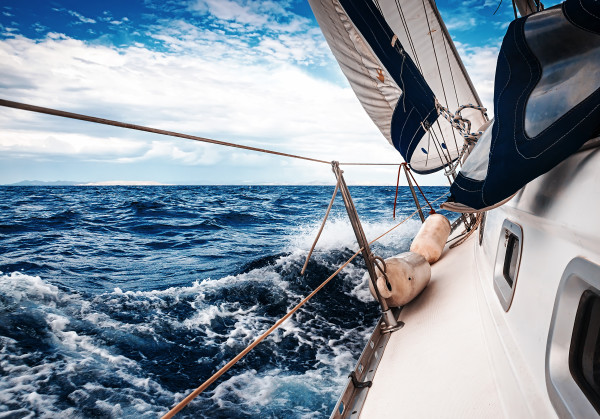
x=432 y=237
x=408 y=274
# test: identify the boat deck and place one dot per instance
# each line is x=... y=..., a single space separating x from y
x=440 y=364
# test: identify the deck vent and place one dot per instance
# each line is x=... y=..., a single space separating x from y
x=573 y=349
x=508 y=259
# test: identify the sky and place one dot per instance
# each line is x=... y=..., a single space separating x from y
x=255 y=72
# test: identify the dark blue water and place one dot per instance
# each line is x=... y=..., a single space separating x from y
x=118 y=301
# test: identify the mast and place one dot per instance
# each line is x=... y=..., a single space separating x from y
x=527 y=7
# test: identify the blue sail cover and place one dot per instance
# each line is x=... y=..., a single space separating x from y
x=546 y=99
x=399 y=59
x=415 y=108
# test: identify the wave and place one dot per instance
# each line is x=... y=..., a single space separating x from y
x=338 y=234
x=132 y=353
x=142 y=294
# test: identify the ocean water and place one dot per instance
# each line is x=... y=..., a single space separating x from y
x=118 y=301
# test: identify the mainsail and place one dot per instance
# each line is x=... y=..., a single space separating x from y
x=403 y=66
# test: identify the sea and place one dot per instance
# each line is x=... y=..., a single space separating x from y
x=118 y=301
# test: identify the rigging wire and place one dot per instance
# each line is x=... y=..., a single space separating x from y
x=408 y=35
x=450 y=68
x=335 y=191
x=514 y=8
x=397 y=187
x=437 y=142
x=81 y=117
x=431 y=210
x=437 y=63
x=497 y=8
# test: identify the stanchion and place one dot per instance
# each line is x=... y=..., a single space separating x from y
x=389 y=318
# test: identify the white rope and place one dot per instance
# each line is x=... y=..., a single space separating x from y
x=462 y=125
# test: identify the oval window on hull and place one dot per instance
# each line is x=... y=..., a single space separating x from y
x=584 y=354
x=573 y=349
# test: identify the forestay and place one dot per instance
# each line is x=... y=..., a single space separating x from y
x=400 y=61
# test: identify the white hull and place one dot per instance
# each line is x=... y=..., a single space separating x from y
x=460 y=354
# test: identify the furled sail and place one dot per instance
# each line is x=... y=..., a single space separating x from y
x=401 y=63
x=546 y=100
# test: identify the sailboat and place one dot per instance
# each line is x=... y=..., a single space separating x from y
x=509 y=324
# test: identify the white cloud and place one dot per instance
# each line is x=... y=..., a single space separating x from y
x=481 y=66
x=37 y=144
x=230 y=10
x=249 y=12
x=79 y=16
x=460 y=23
x=250 y=86
x=228 y=95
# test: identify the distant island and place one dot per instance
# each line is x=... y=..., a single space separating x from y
x=124 y=183
x=103 y=183
x=42 y=183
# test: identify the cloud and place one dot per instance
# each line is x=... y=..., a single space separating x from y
x=481 y=66
x=234 y=96
x=79 y=16
x=248 y=12
x=37 y=144
x=248 y=72
x=461 y=23
x=38 y=27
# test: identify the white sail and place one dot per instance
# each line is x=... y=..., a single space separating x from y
x=417 y=26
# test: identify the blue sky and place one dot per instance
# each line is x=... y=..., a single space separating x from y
x=255 y=72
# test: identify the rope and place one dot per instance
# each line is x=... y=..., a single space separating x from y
x=335 y=191
x=430 y=33
x=463 y=125
x=431 y=210
x=408 y=36
x=227 y=366
x=410 y=216
x=368 y=164
x=499 y=4
x=466 y=234
x=397 y=186
x=96 y=120
x=71 y=115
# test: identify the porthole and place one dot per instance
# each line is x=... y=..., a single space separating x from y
x=509 y=269
x=584 y=353
x=508 y=260
x=573 y=349
x=482 y=227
